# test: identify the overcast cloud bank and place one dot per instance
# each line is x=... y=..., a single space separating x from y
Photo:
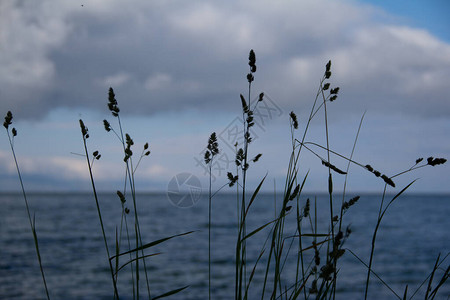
x=169 y=56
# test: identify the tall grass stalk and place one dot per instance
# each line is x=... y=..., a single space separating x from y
x=129 y=184
x=126 y=142
x=85 y=135
x=324 y=284
x=212 y=150
x=243 y=163
x=6 y=123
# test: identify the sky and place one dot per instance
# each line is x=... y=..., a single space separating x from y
x=178 y=68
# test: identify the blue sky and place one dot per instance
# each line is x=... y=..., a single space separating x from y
x=178 y=68
x=431 y=15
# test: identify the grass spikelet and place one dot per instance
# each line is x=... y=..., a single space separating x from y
x=388 y=180
x=346 y=205
x=436 y=161
x=294 y=120
x=112 y=103
x=333 y=167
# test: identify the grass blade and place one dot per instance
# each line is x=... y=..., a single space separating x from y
x=258 y=229
x=134 y=259
x=151 y=244
x=255 y=193
x=170 y=293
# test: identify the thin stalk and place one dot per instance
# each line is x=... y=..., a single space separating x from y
x=124 y=217
x=241 y=249
x=136 y=219
x=116 y=293
x=209 y=233
x=133 y=191
x=330 y=191
x=381 y=214
x=372 y=249
x=32 y=225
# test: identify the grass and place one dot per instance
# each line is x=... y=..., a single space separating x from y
x=293 y=236
x=6 y=124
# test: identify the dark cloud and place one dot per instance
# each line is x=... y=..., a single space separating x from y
x=163 y=56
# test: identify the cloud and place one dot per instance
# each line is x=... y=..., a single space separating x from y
x=115 y=80
x=158 y=81
x=29 y=31
x=68 y=168
x=169 y=56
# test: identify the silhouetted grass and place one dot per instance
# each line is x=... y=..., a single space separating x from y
x=6 y=124
x=316 y=253
x=137 y=252
x=316 y=273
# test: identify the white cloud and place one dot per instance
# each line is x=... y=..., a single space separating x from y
x=115 y=80
x=156 y=171
x=158 y=81
x=58 y=167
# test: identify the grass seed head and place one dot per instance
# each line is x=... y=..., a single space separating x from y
x=121 y=197
x=249 y=120
x=207 y=157
x=96 y=155
x=252 y=61
x=369 y=168
x=346 y=205
x=84 y=130
x=107 y=125
x=247 y=137
x=435 y=161
x=326 y=271
x=8 y=119
x=239 y=157
x=112 y=103
x=213 y=146
x=294 y=119
x=250 y=77
x=294 y=193
x=257 y=157
x=245 y=108
x=328 y=70
x=232 y=179
x=261 y=97
x=306 y=209
x=388 y=180
x=334 y=91
x=333 y=167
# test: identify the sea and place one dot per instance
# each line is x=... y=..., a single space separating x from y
x=413 y=233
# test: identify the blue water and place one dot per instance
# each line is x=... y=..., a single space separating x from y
x=413 y=233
